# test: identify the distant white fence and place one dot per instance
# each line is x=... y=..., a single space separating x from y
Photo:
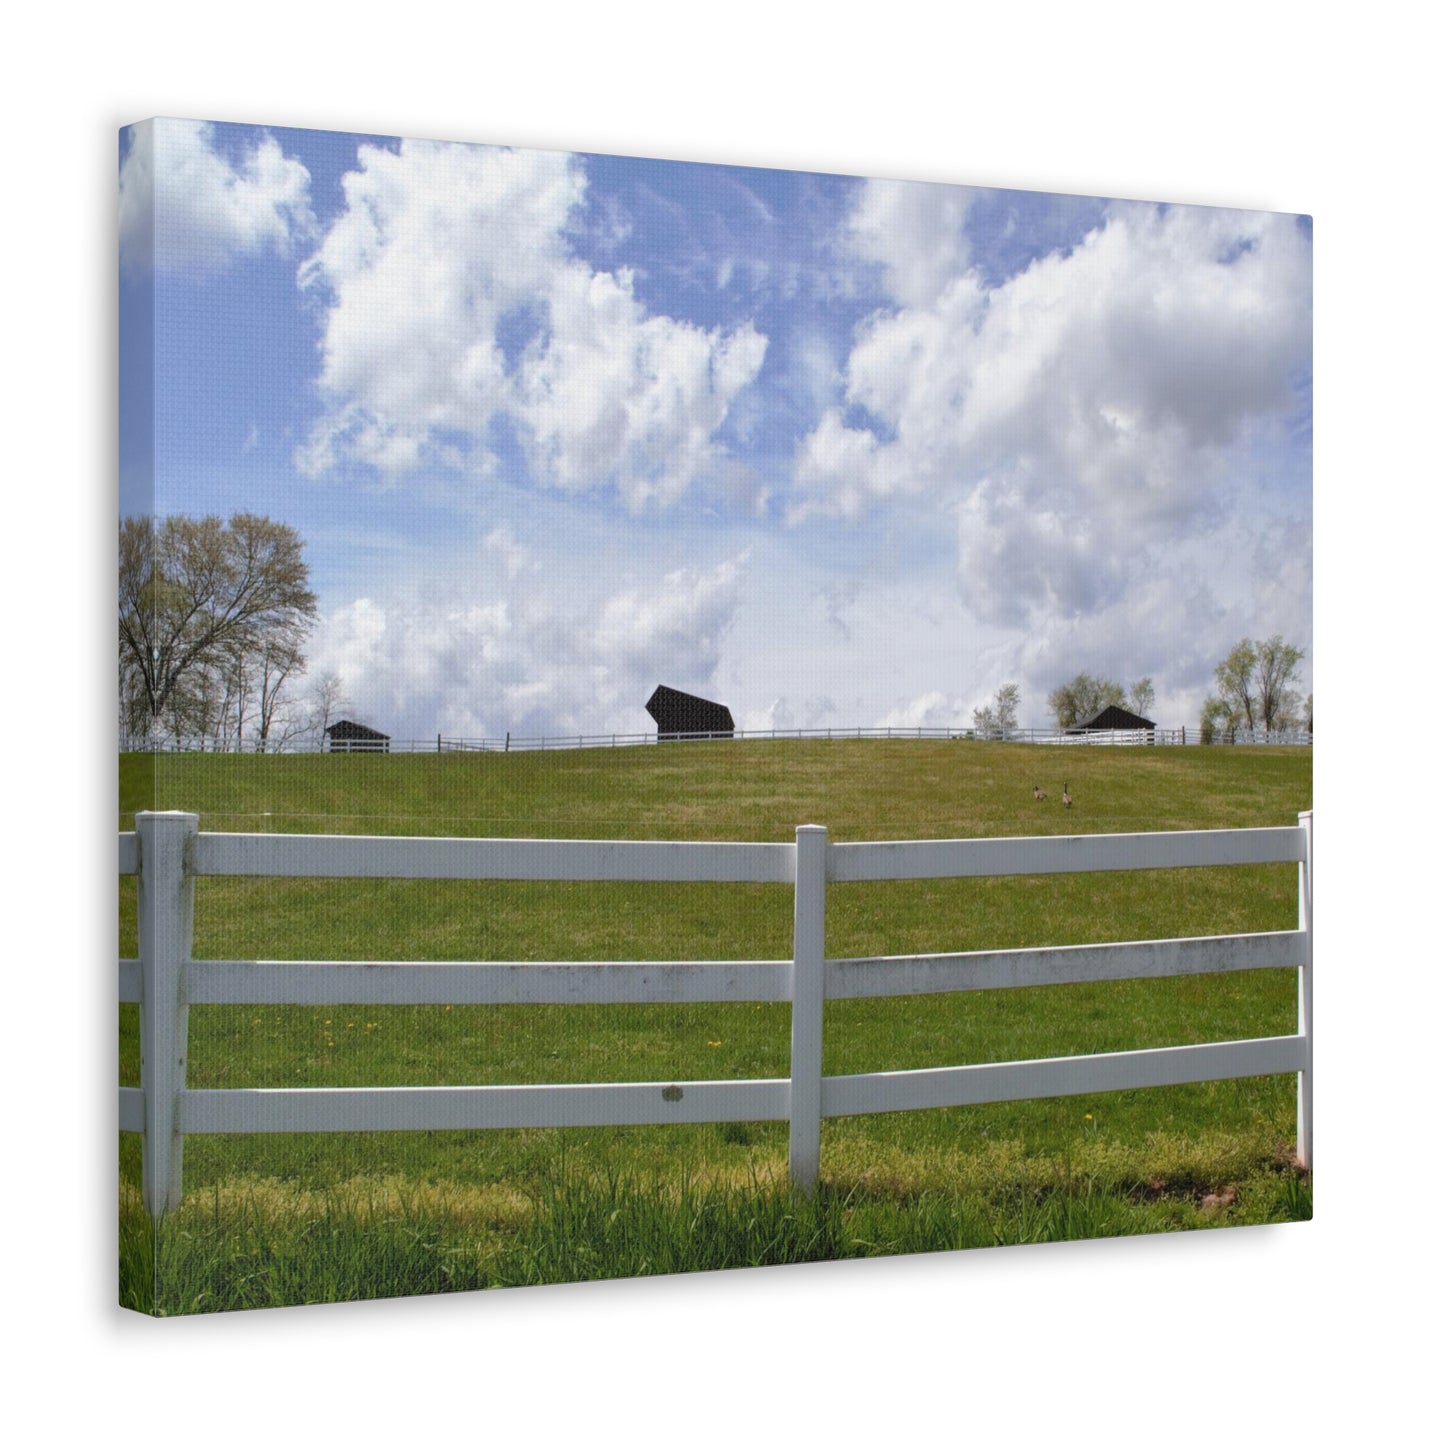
x=1108 y=737
x=168 y=853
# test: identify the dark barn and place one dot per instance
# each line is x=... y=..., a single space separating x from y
x=1112 y=719
x=354 y=737
x=680 y=712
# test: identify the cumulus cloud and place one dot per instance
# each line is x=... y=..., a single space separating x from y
x=454 y=304
x=677 y=626
x=1095 y=403
x=915 y=231
x=840 y=466
x=186 y=208
x=927 y=710
x=536 y=662
x=776 y=716
x=786 y=713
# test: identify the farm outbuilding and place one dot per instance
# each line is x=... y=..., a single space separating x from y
x=677 y=712
x=1114 y=719
x=355 y=737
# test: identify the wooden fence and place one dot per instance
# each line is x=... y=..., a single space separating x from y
x=168 y=853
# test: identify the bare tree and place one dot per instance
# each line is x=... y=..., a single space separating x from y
x=135 y=718
x=328 y=697
x=239 y=682
x=1141 y=696
x=200 y=603
x=281 y=657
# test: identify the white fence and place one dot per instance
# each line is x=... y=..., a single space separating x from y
x=168 y=853
x=1113 y=737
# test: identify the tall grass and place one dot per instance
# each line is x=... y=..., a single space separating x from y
x=259 y=1244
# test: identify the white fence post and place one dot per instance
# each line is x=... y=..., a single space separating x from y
x=166 y=895
x=805 y=1103
x=1305 y=1120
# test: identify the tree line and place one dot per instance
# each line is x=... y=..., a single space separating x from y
x=1072 y=703
x=1253 y=691
x=214 y=618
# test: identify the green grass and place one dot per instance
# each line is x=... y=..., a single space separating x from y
x=259 y=1244
x=1148 y=1157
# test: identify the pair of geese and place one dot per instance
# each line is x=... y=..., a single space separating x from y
x=1040 y=795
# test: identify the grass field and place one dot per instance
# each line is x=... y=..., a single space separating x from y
x=275 y=1219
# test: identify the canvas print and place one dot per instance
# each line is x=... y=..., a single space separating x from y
x=678 y=717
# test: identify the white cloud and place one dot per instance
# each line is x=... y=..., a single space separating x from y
x=676 y=629
x=927 y=710
x=454 y=301
x=783 y=714
x=185 y=208
x=536 y=661
x=915 y=230
x=1095 y=404
x=838 y=470
x=351 y=641
x=777 y=715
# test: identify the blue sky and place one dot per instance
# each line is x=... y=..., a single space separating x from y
x=558 y=428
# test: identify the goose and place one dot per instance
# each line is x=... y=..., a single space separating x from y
x=1068 y=801
x=1039 y=793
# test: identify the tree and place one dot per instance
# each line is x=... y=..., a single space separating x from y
x=1001 y=716
x=278 y=721
x=1006 y=701
x=1254 y=687
x=328 y=697
x=207 y=608
x=1141 y=697
x=1085 y=697
x=1276 y=663
x=1235 y=679
x=1214 y=717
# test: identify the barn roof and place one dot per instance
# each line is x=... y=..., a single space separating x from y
x=346 y=729
x=1112 y=717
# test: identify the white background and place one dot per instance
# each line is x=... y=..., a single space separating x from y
x=1243 y=1335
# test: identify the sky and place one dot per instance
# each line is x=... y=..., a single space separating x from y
x=556 y=428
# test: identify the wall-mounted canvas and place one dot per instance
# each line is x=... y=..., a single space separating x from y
x=678 y=717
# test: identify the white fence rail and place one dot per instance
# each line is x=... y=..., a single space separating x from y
x=1108 y=737
x=168 y=853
